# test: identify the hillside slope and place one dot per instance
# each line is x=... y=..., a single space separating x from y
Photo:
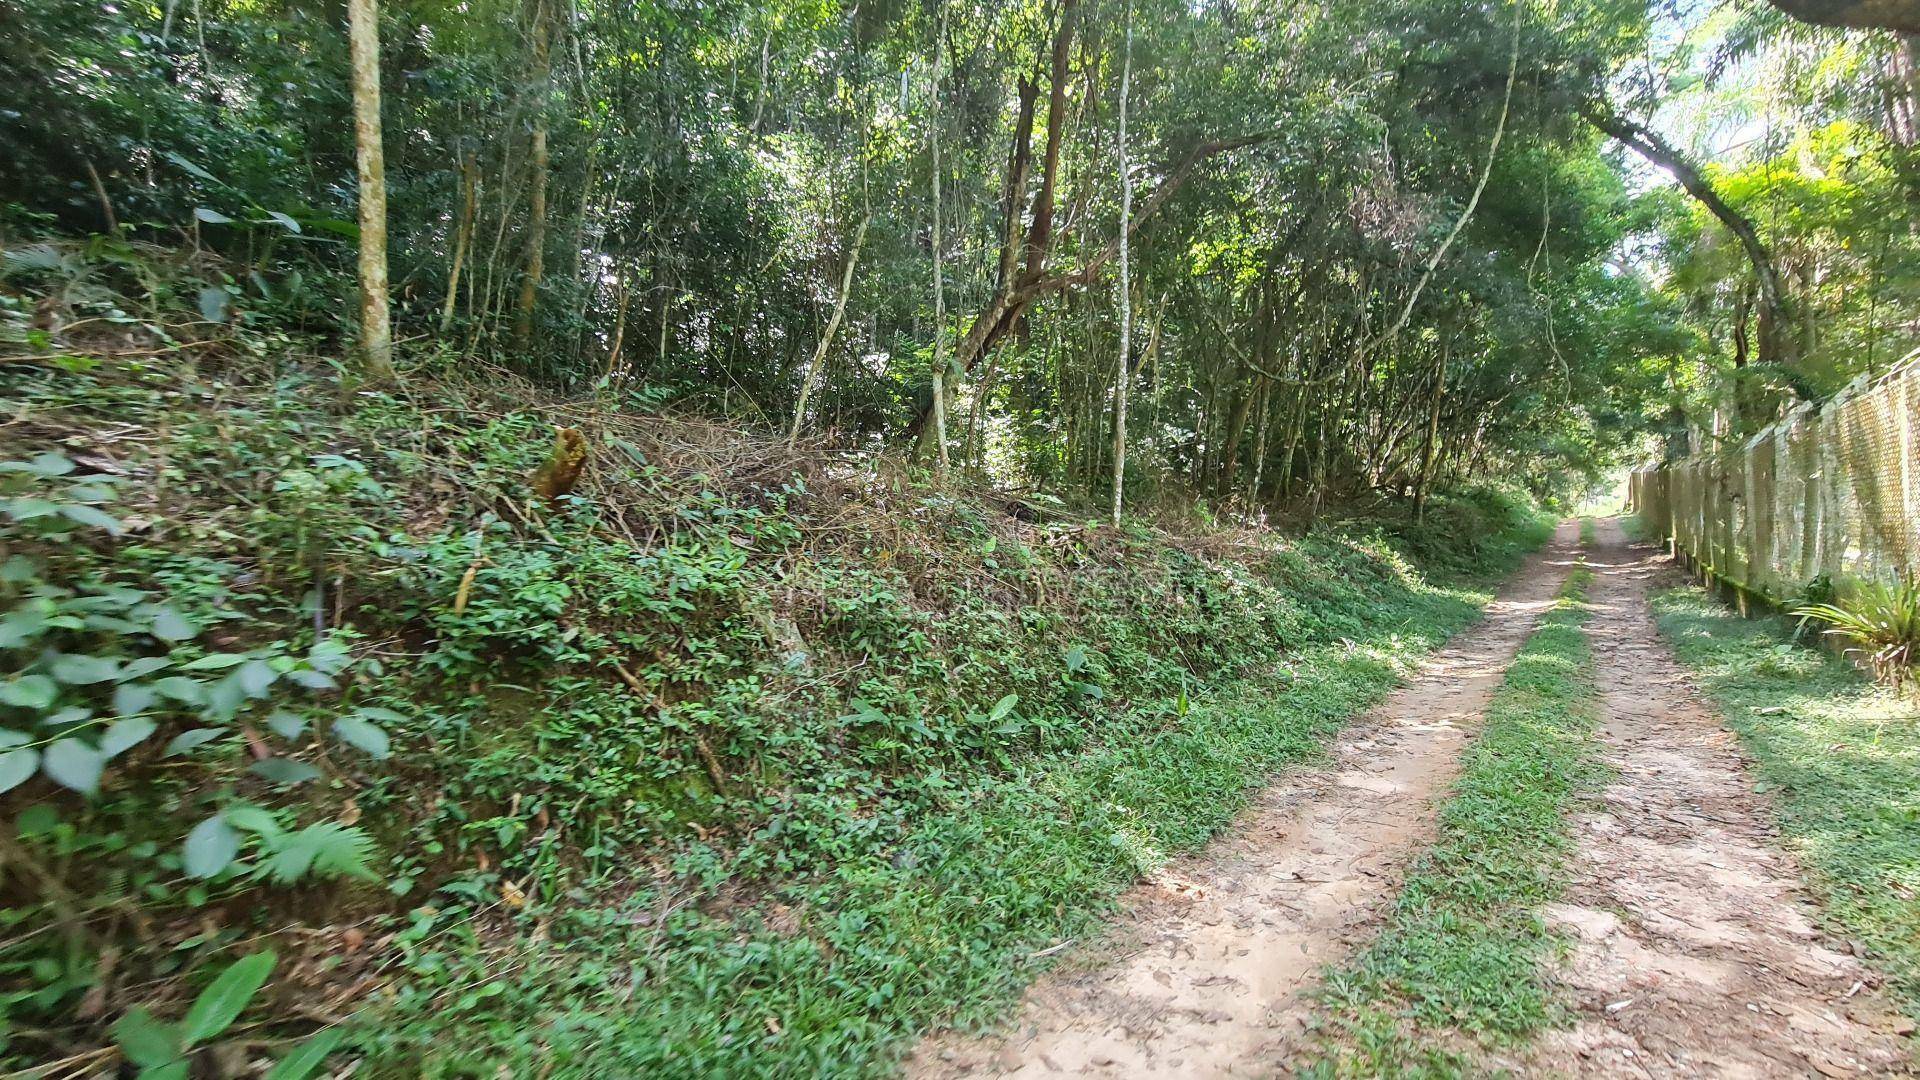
x=730 y=759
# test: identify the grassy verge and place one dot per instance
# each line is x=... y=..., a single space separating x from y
x=1841 y=759
x=1463 y=950
x=942 y=930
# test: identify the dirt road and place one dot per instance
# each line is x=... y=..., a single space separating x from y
x=1195 y=973
x=1693 y=951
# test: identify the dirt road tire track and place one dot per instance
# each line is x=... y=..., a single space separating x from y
x=1694 y=948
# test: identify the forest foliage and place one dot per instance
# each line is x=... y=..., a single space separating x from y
x=759 y=722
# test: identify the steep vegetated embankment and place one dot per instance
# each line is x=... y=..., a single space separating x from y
x=726 y=759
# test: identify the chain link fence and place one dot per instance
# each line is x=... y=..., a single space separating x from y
x=1829 y=492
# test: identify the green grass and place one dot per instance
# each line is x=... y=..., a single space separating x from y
x=1839 y=757
x=1461 y=958
x=1587 y=531
x=937 y=931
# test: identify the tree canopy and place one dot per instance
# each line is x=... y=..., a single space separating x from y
x=1376 y=245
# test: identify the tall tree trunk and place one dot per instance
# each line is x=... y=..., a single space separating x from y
x=826 y=336
x=376 y=328
x=1126 y=284
x=619 y=330
x=1260 y=444
x=939 y=260
x=537 y=199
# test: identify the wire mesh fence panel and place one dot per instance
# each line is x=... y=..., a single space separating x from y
x=1826 y=493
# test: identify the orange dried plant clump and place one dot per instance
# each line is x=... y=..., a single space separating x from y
x=561 y=472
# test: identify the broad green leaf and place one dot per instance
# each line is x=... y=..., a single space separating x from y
x=190 y=166
x=17 y=767
x=21 y=626
x=284 y=771
x=72 y=714
x=287 y=725
x=212 y=217
x=191 y=740
x=225 y=697
x=37 y=820
x=358 y=732
x=130 y=698
x=1002 y=707
x=170 y=625
x=216 y=662
x=210 y=847
x=29 y=692
x=79 y=669
x=182 y=689
x=73 y=764
x=256 y=677
x=29 y=509
x=124 y=734
x=147 y=1042
x=329 y=656
x=306 y=1057
x=141 y=665
x=82 y=514
x=286 y=222
x=47 y=463
x=222 y=1002
x=311 y=679
x=253 y=819
x=215 y=305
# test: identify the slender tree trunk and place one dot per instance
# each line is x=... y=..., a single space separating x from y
x=1260 y=443
x=939 y=263
x=619 y=331
x=463 y=235
x=537 y=200
x=1126 y=287
x=376 y=328
x=509 y=195
x=1427 y=453
x=826 y=336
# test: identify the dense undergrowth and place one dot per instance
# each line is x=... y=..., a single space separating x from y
x=734 y=760
x=1840 y=759
x=1461 y=960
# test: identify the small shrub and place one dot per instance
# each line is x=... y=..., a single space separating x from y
x=1882 y=619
